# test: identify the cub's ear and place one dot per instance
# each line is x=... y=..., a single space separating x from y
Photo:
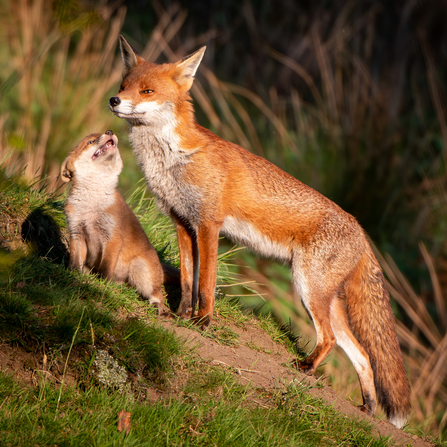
x=129 y=55
x=66 y=174
x=187 y=67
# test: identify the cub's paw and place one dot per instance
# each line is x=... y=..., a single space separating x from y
x=162 y=310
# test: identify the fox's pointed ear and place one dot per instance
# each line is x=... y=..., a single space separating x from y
x=187 y=67
x=130 y=56
x=66 y=174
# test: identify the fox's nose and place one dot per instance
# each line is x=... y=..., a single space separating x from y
x=109 y=132
x=114 y=101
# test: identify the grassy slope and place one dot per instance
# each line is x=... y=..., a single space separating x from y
x=66 y=320
x=33 y=416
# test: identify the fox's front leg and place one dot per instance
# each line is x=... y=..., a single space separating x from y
x=78 y=252
x=207 y=242
x=189 y=267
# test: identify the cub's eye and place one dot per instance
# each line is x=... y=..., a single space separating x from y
x=146 y=92
x=121 y=88
x=90 y=142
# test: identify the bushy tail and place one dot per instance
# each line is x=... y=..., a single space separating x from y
x=372 y=322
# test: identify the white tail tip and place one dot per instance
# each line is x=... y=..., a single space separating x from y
x=398 y=420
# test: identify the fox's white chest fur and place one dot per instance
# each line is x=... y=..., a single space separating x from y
x=163 y=163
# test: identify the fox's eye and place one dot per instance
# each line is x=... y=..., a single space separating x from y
x=90 y=142
x=147 y=92
x=121 y=88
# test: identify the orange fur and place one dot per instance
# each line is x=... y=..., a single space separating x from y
x=210 y=186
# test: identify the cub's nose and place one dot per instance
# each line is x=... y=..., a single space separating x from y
x=114 y=101
x=109 y=132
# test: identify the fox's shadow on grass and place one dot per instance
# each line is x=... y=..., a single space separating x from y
x=173 y=296
x=42 y=232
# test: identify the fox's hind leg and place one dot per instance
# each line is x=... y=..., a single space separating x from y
x=358 y=356
x=328 y=313
x=316 y=299
x=325 y=340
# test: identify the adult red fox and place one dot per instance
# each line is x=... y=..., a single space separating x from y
x=105 y=235
x=210 y=186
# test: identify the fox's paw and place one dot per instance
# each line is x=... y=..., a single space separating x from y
x=184 y=314
x=162 y=310
x=303 y=366
x=369 y=404
x=203 y=322
x=366 y=409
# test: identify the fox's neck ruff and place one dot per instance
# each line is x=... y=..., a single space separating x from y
x=161 y=157
x=157 y=145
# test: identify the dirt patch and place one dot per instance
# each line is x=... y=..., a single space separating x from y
x=252 y=356
x=31 y=367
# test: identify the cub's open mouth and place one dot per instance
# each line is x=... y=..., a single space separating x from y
x=110 y=143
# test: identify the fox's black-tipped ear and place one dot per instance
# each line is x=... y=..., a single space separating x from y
x=130 y=56
x=66 y=174
x=187 y=68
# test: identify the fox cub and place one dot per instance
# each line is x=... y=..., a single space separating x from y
x=212 y=187
x=105 y=235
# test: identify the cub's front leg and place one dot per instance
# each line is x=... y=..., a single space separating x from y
x=111 y=252
x=78 y=252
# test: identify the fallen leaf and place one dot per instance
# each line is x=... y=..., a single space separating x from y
x=124 y=421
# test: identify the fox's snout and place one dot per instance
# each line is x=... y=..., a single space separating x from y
x=109 y=132
x=114 y=101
